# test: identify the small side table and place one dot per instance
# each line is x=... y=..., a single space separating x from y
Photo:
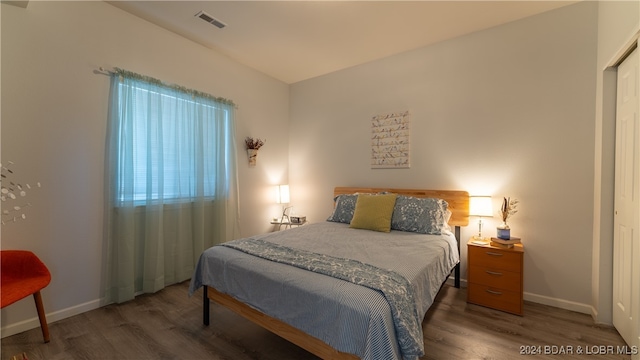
x=286 y=224
x=495 y=276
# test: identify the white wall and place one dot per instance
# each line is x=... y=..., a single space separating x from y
x=507 y=111
x=54 y=110
x=504 y=112
x=618 y=22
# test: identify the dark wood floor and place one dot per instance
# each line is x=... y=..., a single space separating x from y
x=168 y=325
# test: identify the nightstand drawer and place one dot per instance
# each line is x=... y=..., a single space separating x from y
x=496 y=258
x=496 y=278
x=509 y=301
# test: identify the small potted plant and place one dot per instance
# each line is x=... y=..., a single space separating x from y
x=508 y=209
x=252 y=148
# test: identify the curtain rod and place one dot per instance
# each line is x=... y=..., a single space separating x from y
x=104 y=71
x=101 y=70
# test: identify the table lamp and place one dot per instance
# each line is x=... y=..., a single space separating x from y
x=480 y=206
x=283 y=198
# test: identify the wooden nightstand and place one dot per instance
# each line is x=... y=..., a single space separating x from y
x=495 y=277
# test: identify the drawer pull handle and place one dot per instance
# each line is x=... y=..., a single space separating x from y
x=493 y=253
x=494 y=292
x=493 y=273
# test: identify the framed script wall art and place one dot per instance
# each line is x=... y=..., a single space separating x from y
x=390 y=141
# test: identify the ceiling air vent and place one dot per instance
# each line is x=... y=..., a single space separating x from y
x=210 y=19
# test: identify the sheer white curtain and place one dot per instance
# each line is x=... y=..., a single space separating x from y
x=171 y=183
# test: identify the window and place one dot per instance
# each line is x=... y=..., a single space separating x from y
x=171 y=143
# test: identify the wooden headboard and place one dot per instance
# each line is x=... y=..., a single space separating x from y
x=458 y=200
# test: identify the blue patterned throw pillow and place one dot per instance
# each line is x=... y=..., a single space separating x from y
x=420 y=215
x=345 y=206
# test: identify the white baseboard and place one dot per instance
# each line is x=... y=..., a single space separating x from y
x=559 y=303
x=594 y=313
x=33 y=323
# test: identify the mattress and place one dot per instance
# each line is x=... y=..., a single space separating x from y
x=349 y=317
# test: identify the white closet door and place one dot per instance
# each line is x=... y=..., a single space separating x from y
x=626 y=247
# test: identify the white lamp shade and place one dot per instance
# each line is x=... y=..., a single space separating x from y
x=283 y=194
x=480 y=206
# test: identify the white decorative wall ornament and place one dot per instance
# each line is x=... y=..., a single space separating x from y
x=12 y=192
x=390 y=141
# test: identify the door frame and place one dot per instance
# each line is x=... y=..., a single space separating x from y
x=604 y=172
x=628 y=327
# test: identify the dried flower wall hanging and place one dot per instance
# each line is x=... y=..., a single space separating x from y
x=252 y=149
x=252 y=143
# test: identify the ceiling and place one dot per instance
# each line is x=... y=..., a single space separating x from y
x=297 y=40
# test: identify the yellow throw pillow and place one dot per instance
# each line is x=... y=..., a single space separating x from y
x=373 y=212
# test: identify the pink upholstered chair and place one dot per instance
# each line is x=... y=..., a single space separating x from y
x=23 y=274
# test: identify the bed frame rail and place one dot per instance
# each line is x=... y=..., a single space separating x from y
x=284 y=330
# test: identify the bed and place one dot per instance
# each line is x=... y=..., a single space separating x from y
x=337 y=289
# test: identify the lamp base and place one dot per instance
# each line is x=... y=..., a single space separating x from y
x=479 y=240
